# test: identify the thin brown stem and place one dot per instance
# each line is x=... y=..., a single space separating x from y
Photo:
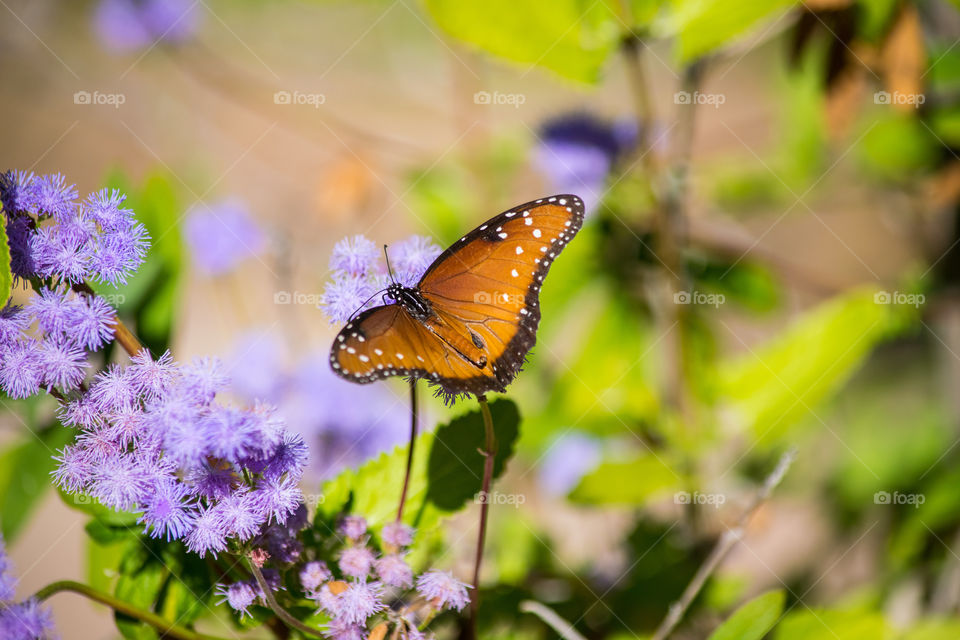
x=274 y=606
x=726 y=542
x=489 y=452
x=168 y=629
x=413 y=440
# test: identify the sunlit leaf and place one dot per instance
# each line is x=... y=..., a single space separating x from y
x=629 y=482
x=752 y=620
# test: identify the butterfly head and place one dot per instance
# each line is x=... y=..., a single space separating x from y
x=395 y=291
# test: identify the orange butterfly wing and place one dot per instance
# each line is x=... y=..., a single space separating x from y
x=484 y=295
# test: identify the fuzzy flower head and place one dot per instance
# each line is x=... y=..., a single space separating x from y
x=394 y=571
x=359 y=601
x=313 y=575
x=360 y=272
x=397 y=534
x=356 y=562
x=442 y=590
x=239 y=595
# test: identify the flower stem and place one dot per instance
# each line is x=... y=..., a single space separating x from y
x=489 y=453
x=168 y=629
x=727 y=541
x=413 y=440
x=274 y=606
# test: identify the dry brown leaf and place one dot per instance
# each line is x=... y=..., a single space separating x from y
x=903 y=58
x=379 y=632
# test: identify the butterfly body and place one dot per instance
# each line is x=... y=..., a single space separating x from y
x=470 y=321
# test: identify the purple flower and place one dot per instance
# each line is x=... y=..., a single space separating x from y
x=289 y=457
x=353 y=527
x=119 y=482
x=283 y=546
x=90 y=320
x=151 y=378
x=118 y=254
x=21 y=369
x=357 y=256
x=577 y=152
x=411 y=258
x=239 y=515
x=52 y=311
x=567 y=460
x=74 y=471
x=442 y=590
x=344 y=295
x=166 y=512
x=359 y=601
x=202 y=379
x=16 y=191
x=13 y=322
x=394 y=571
x=213 y=482
x=222 y=235
x=26 y=621
x=277 y=498
x=128 y=25
x=313 y=575
x=8 y=581
x=20 y=237
x=356 y=562
x=105 y=208
x=338 y=629
x=112 y=390
x=208 y=534
x=50 y=195
x=62 y=365
x=239 y=595
x=232 y=433
x=397 y=534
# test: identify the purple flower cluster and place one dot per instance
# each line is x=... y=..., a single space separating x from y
x=360 y=272
x=53 y=235
x=24 y=620
x=577 y=152
x=58 y=244
x=222 y=235
x=343 y=423
x=367 y=577
x=152 y=439
x=128 y=25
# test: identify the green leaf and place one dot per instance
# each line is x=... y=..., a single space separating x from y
x=809 y=624
x=752 y=620
x=769 y=388
x=701 y=26
x=142 y=576
x=628 y=482
x=447 y=472
x=934 y=630
x=86 y=504
x=25 y=476
x=6 y=277
x=572 y=38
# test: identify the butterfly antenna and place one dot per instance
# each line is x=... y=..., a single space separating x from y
x=389 y=270
x=357 y=312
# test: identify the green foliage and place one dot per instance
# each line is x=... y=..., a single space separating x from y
x=628 y=482
x=752 y=620
x=809 y=624
x=6 y=277
x=897 y=146
x=702 y=26
x=446 y=474
x=25 y=476
x=152 y=294
x=771 y=387
x=572 y=38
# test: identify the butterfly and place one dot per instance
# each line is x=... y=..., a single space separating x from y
x=469 y=322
